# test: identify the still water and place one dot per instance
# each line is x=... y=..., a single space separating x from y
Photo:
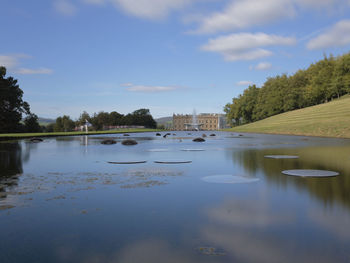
x=61 y=201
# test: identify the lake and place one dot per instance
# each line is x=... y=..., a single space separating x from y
x=61 y=201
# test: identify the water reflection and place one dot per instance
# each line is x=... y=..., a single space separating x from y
x=254 y=231
x=327 y=190
x=73 y=206
x=10 y=166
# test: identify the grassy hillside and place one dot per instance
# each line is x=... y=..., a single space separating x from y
x=330 y=119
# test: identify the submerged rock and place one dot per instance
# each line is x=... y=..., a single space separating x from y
x=35 y=139
x=212 y=134
x=158 y=134
x=108 y=142
x=204 y=135
x=199 y=139
x=129 y=142
x=125 y=134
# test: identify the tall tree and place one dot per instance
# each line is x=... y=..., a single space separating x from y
x=12 y=105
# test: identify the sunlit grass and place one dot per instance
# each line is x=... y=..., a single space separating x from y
x=329 y=119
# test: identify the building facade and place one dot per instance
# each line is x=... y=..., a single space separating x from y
x=204 y=121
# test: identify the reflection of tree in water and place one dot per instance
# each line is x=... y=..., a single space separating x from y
x=329 y=190
x=10 y=166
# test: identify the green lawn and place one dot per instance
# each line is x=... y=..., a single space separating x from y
x=330 y=119
x=53 y=134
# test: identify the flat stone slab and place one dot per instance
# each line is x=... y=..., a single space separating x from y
x=282 y=156
x=310 y=173
x=128 y=162
x=173 y=161
x=229 y=179
x=192 y=150
x=158 y=150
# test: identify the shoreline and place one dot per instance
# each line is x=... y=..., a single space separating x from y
x=16 y=136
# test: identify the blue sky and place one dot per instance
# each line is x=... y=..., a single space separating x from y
x=171 y=56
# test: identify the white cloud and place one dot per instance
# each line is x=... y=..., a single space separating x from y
x=151 y=89
x=245 y=46
x=321 y=3
x=245 y=13
x=128 y=84
x=27 y=71
x=13 y=61
x=8 y=61
x=244 y=83
x=149 y=9
x=262 y=66
x=336 y=36
x=65 y=7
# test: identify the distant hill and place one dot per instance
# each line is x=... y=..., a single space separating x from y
x=45 y=121
x=164 y=120
x=330 y=119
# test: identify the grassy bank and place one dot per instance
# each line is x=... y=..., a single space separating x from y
x=330 y=119
x=10 y=136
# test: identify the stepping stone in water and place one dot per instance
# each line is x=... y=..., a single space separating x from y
x=310 y=173
x=128 y=162
x=173 y=161
x=199 y=139
x=192 y=150
x=158 y=150
x=129 y=142
x=108 y=142
x=36 y=140
x=282 y=156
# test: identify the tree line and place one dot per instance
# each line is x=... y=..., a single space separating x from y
x=101 y=120
x=321 y=82
x=13 y=108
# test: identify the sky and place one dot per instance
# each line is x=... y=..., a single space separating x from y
x=170 y=56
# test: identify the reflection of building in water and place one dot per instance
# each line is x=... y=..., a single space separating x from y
x=205 y=121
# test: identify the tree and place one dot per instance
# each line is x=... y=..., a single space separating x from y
x=64 y=124
x=143 y=117
x=12 y=105
x=31 y=123
x=83 y=118
x=116 y=118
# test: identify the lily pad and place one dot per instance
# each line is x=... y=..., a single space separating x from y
x=310 y=173
x=229 y=179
